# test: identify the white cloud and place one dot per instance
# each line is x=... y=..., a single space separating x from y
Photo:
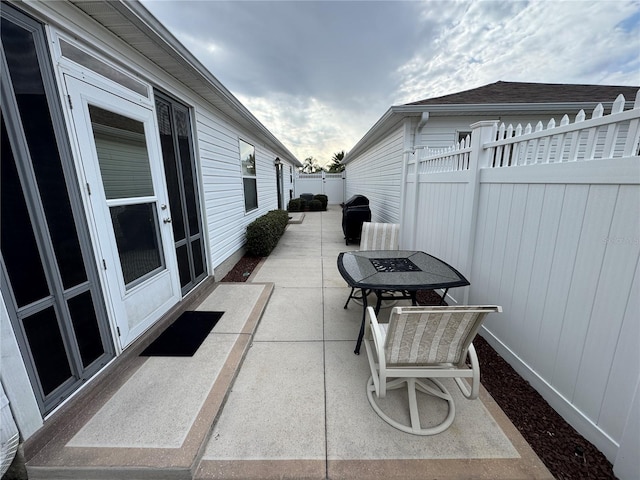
x=320 y=74
x=307 y=126
x=554 y=42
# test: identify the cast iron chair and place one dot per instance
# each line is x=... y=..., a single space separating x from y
x=423 y=343
x=376 y=236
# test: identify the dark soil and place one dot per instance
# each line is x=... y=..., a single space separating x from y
x=242 y=270
x=564 y=451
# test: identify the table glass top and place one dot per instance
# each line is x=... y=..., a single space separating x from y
x=397 y=269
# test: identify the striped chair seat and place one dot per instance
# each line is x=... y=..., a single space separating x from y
x=423 y=343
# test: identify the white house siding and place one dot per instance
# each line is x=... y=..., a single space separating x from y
x=223 y=196
x=442 y=131
x=216 y=146
x=216 y=149
x=377 y=174
x=217 y=158
x=216 y=153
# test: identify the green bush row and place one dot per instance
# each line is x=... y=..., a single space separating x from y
x=265 y=231
x=317 y=204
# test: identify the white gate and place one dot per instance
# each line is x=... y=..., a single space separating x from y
x=330 y=184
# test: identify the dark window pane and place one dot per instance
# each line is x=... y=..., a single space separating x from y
x=171 y=170
x=49 y=355
x=175 y=133
x=183 y=265
x=38 y=128
x=188 y=179
x=17 y=240
x=137 y=239
x=85 y=325
x=198 y=259
x=250 y=194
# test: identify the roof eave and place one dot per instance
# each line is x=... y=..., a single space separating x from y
x=136 y=13
x=565 y=107
x=393 y=115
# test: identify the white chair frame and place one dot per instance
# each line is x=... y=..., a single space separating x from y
x=409 y=373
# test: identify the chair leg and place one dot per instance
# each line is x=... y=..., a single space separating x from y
x=350 y=297
x=413 y=404
x=356 y=298
x=437 y=390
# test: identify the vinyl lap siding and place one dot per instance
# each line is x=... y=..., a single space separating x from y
x=442 y=132
x=222 y=188
x=377 y=174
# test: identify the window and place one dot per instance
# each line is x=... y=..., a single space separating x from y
x=462 y=135
x=248 y=162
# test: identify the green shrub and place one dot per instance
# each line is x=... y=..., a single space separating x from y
x=265 y=231
x=281 y=218
x=323 y=199
x=315 y=206
x=294 y=205
x=303 y=205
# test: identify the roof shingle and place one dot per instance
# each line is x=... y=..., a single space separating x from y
x=522 y=92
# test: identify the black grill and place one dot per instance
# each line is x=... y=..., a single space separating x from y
x=355 y=212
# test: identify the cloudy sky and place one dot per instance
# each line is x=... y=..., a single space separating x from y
x=320 y=74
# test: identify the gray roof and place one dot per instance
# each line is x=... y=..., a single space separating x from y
x=526 y=92
x=496 y=99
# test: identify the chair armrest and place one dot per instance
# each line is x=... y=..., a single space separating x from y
x=376 y=331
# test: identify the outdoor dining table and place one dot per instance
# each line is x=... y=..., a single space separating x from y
x=395 y=274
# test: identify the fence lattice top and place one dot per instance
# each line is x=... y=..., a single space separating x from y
x=615 y=135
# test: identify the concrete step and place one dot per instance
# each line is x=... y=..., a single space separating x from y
x=150 y=417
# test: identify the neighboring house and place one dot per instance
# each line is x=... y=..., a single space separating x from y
x=542 y=220
x=129 y=175
x=375 y=164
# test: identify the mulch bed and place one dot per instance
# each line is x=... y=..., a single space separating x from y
x=242 y=270
x=566 y=453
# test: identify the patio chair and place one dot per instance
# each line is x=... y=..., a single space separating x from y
x=376 y=236
x=418 y=346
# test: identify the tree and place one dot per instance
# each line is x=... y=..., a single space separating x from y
x=336 y=163
x=310 y=165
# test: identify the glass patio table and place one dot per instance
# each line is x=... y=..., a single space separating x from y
x=395 y=271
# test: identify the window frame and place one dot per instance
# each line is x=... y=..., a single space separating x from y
x=461 y=135
x=248 y=180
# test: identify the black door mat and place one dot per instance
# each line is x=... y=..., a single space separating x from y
x=184 y=336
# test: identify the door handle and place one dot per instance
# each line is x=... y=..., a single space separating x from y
x=166 y=220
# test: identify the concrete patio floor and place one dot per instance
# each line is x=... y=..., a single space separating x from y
x=275 y=391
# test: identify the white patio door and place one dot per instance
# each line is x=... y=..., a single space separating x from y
x=128 y=203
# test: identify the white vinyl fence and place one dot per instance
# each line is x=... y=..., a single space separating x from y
x=330 y=184
x=546 y=223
